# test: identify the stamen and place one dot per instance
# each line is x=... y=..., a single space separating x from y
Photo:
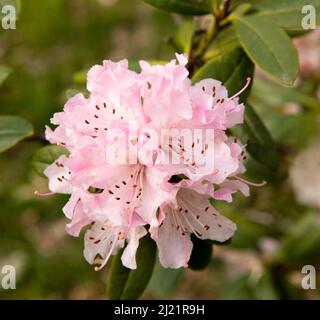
x=242 y=90
x=254 y=184
x=98 y=268
x=185 y=252
x=44 y=194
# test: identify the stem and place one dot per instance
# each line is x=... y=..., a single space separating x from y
x=207 y=38
x=196 y=55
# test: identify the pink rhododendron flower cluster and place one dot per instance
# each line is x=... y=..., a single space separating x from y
x=119 y=203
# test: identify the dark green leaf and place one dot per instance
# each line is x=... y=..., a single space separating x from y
x=286 y=13
x=4 y=73
x=130 y=284
x=138 y=279
x=46 y=156
x=164 y=281
x=12 y=130
x=269 y=47
x=118 y=278
x=260 y=145
x=187 y=7
x=201 y=253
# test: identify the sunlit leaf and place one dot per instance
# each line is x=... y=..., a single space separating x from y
x=269 y=47
x=286 y=13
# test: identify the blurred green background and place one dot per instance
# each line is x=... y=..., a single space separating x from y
x=278 y=226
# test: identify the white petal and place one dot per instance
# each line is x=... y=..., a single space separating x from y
x=101 y=242
x=200 y=217
x=174 y=248
x=58 y=175
x=129 y=254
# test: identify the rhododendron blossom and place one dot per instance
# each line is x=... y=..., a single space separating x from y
x=138 y=118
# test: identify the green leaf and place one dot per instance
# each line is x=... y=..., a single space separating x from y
x=45 y=157
x=164 y=281
x=201 y=253
x=286 y=13
x=4 y=73
x=130 y=286
x=118 y=278
x=186 y=7
x=12 y=130
x=260 y=145
x=226 y=40
x=269 y=47
x=184 y=36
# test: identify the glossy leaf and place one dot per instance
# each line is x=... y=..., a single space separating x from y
x=127 y=284
x=186 y=7
x=260 y=145
x=12 y=130
x=286 y=13
x=117 y=278
x=164 y=281
x=269 y=47
x=4 y=73
x=46 y=156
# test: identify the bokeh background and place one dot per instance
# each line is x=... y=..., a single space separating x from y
x=278 y=226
